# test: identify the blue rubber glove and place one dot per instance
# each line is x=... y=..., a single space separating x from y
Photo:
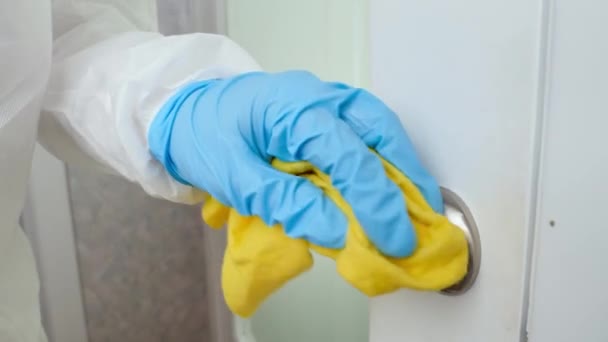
x=220 y=135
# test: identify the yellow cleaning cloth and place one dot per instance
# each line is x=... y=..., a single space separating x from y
x=260 y=259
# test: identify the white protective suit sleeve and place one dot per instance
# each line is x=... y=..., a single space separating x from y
x=111 y=72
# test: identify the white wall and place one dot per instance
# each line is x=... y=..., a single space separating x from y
x=330 y=39
x=326 y=37
x=569 y=301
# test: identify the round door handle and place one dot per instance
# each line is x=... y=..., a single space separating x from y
x=459 y=214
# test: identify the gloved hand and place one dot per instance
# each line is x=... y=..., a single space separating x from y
x=220 y=135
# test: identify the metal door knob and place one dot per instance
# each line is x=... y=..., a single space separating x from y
x=459 y=214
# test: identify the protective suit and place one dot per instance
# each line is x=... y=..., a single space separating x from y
x=105 y=74
x=97 y=86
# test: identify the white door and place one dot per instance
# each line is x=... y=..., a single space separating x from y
x=506 y=101
x=464 y=78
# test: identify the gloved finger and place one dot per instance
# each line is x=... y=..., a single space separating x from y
x=380 y=128
x=301 y=207
x=321 y=138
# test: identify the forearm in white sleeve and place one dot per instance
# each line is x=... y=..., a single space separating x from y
x=110 y=75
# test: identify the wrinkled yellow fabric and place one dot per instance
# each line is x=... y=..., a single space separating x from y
x=260 y=259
